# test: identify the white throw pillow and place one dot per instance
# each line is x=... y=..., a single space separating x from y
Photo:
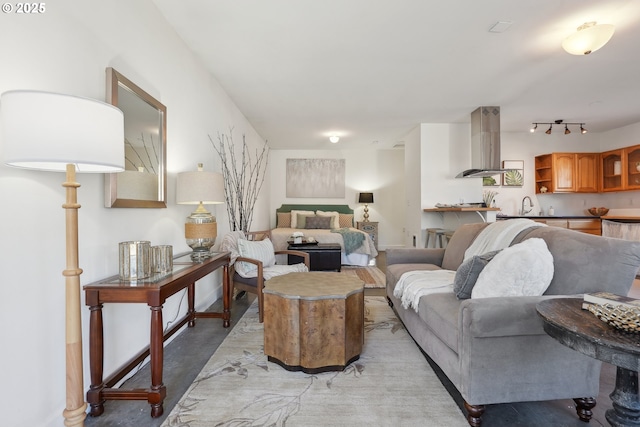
x=261 y=250
x=294 y=217
x=524 y=269
x=335 y=218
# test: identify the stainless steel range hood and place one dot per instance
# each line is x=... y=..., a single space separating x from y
x=485 y=143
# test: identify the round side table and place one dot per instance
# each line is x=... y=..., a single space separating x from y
x=566 y=321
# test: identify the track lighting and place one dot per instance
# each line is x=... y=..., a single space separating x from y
x=567 y=131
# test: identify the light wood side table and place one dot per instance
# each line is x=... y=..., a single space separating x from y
x=313 y=322
x=371 y=228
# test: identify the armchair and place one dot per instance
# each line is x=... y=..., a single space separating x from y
x=253 y=262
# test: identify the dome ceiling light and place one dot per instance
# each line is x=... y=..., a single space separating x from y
x=334 y=139
x=589 y=38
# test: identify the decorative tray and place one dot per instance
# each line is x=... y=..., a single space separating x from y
x=304 y=243
x=618 y=316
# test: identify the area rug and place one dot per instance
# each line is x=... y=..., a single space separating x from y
x=390 y=385
x=372 y=277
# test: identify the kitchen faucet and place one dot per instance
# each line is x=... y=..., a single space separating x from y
x=522 y=211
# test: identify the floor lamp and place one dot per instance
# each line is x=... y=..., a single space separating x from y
x=63 y=133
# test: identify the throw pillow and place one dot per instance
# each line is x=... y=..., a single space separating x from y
x=294 y=217
x=335 y=218
x=524 y=269
x=315 y=222
x=301 y=221
x=345 y=220
x=261 y=250
x=468 y=272
x=284 y=220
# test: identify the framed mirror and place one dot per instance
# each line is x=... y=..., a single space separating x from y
x=143 y=184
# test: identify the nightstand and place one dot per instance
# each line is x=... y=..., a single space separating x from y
x=371 y=228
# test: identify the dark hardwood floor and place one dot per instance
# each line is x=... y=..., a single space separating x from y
x=185 y=356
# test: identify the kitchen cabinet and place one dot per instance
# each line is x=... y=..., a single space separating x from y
x=586 y=225
x=613 y=170
x=632 y=156
x=567 y=172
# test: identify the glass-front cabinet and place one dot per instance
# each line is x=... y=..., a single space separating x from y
x=613 y=170
x=633 y=167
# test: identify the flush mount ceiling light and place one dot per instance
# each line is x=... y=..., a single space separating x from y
x=589 y=38
x=334 y=138
x=559 y=123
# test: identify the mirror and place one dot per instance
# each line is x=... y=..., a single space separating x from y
x=143 y=184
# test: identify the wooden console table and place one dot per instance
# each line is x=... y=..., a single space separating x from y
x=154 y=292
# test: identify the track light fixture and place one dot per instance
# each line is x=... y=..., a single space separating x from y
x=559 y=123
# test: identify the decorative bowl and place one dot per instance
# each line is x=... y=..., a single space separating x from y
x=598 y=211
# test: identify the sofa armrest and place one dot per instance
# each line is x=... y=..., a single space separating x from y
x=415 y=256
x=502 y=316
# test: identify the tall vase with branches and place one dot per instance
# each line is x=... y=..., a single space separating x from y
x=243 y=175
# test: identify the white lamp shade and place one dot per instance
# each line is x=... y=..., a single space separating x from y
x=192 y=188
x=44 y=130
x=589 y=38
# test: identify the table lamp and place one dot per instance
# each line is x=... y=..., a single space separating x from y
x=366 y=198
x=200 y=188
x=64 y=133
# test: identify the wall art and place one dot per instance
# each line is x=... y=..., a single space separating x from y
x=316 y=178
x=514 y=176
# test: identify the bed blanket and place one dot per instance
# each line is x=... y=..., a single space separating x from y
x=352 y=239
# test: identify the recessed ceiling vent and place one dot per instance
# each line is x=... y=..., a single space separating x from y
x=485 y=143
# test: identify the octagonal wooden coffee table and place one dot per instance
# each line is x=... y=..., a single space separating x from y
x=313 y=322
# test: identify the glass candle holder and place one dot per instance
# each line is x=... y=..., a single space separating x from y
x=135 y=260
x=162 y=259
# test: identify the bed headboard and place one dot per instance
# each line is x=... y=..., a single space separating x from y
x=345 y=209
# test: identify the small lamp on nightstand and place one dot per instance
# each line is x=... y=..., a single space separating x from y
x=200 y=188
x=366 y=198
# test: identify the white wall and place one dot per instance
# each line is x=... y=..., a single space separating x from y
x=377 y=171
x=66 y=50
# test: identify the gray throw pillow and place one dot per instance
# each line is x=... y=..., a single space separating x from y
x=468 y=273
x=318 y=222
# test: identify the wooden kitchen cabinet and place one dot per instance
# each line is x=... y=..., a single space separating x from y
x=632 y=156
x=613 y=170
x=586 y=225
x=568 y=172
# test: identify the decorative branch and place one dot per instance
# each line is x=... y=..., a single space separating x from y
x=243 y=178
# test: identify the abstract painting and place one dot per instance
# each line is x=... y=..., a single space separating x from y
x=316 y=178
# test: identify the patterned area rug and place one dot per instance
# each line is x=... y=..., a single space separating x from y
x=372 y=277
x=390 y=385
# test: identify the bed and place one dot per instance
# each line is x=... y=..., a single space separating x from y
x=339 y=229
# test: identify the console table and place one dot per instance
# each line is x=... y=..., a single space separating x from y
x=153 y=291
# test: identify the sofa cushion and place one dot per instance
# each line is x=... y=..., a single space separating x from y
x=458 y=244
x=522 y=269
x=440 y=313
x=587 y=263
x=468 y=272
x=395 y=271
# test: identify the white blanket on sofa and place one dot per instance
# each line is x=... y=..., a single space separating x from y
x=498 y=235
x=414 y=284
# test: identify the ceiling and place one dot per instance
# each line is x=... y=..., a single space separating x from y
x=371 y=70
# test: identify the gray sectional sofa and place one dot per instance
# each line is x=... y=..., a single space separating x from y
x=494 y=350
